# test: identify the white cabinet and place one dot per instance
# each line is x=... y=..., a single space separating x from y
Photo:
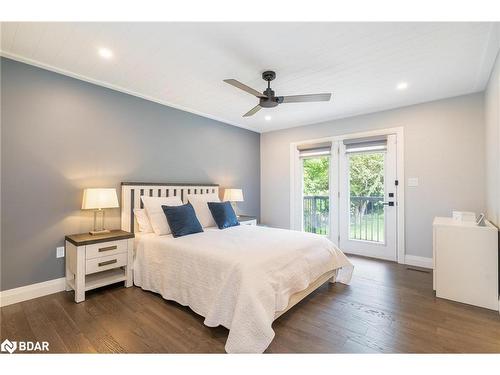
x=466 y=262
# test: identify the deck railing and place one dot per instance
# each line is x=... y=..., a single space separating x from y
x=366 y=217
x=316 y=214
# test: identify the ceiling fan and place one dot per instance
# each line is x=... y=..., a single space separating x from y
x=267 y=99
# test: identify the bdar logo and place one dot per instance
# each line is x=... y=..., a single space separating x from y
x=24 y=346
x=8 y=346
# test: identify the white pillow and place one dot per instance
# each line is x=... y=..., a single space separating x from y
x=143 y=220
x=155 y=213
x=199 y=203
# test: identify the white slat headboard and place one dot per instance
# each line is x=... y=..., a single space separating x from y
x=132 y=191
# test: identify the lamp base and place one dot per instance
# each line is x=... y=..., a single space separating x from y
x=99 y=229
x=235 y=208
x=96 y=232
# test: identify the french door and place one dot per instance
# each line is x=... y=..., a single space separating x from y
x=367 y=197
x=346 y=189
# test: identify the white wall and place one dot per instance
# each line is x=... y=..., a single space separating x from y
x=492 y=117
x=444 y=148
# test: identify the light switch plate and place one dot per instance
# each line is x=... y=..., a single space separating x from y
x=412 y=181
x=60 y=252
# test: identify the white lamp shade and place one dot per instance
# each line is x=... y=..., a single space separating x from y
x=233 y=195
x=94 y=199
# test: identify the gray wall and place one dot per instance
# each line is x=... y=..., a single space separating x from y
x=60 y=135
x=444 y=148
x=492 y=117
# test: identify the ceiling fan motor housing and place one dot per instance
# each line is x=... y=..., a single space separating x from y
x=270 y=100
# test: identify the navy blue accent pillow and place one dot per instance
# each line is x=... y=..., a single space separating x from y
x=182 y=220
x=223 y=214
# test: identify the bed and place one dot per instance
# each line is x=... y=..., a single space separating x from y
x=242 y=277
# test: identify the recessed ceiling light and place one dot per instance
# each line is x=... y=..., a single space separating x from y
x=267 y=118
x=105 y=53
x=402 y=85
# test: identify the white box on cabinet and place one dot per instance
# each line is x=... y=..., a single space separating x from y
x=464 y=216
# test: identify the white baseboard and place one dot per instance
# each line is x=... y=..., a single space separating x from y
x=24 y=293
x=413 y=260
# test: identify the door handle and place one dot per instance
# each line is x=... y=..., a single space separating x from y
x=388 y=203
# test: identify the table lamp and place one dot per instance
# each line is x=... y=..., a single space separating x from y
x=97 y=200
x=233 y=196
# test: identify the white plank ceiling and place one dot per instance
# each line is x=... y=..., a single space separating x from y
x=183 y=64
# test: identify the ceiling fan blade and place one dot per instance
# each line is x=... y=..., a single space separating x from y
x=306 y=98
x=244 y=87
x=253 y=111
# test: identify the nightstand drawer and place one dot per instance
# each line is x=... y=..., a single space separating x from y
x=105 y=263
x=249 y=222
x=105 y=249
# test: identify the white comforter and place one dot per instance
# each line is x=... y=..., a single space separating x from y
x=237 y=277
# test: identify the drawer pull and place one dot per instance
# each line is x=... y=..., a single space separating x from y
x=107 y=262
x=108 y=248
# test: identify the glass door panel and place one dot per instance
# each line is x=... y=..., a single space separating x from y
x=316 y=194
x=366 y=196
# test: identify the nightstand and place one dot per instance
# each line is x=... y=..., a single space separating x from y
x=93 y=261
x=247 y=220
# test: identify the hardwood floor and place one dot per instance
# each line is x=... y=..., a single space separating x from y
x=388 y=308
